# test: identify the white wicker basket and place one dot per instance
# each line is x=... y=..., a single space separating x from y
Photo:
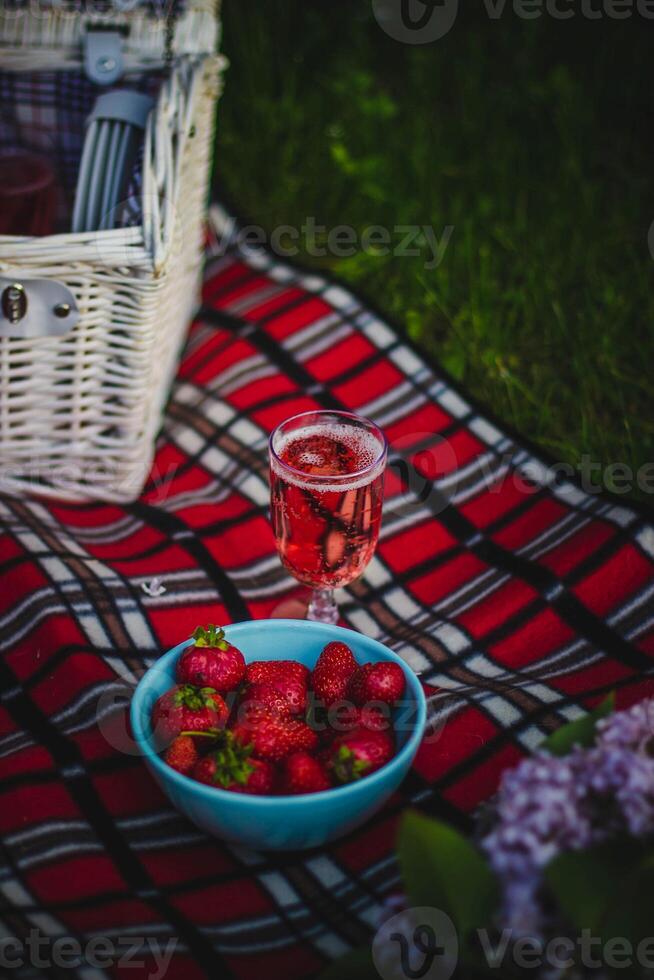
x=79 y=412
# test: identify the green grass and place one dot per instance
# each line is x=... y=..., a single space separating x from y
x=531 y=138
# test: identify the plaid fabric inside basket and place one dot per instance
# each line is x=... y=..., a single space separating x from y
x=46 y=113
x=157 y=8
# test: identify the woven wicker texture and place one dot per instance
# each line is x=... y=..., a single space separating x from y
x=78 y=413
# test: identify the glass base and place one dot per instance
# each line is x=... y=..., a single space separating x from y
x=322 y=608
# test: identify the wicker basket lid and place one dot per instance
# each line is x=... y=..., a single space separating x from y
x=50 y=35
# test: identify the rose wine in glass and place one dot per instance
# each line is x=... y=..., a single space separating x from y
x=327 y=484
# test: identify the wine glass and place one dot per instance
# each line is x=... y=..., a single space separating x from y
x=326 y=489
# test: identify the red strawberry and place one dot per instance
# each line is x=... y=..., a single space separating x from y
x=375 y=717
x=229 y=767
x=323 y=754
x=383 y=681
x=294 y=691
x=304 y=774
x=261 y=781
x=250 y=714
x=190 y=710
x=356 y=687
x=182 y=754
x=359 y=753
x=272 y=737
x=263 y=671
x=211 y=661
x=346 y=717
x=320 y=455
x=332 y=673
x=265 y=696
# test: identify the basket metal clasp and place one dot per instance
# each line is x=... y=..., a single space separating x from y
x=36 y=308
x=14 y=302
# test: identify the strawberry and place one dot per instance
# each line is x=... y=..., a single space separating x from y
x=346 y=717
x=263 y=671
x=323 y=754
x=272 y=737
x=294 y=691
x=182 y=754
x=260 y=782
x=251 y=713
x=198 y=711
x=359 y=753
x=382 y=681
x=230 y=767
x=211 y=661
x=266 y=696
x=332 y=673
x=356 y=687
x=302 y=773
x=320 y=455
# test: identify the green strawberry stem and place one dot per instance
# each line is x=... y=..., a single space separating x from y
x=346 y=767
x=211 y=636
x=232 y=761
x=209 y=733
x=195 y=698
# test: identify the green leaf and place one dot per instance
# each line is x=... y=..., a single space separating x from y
x=609 y=890
x=356 y=965
x=580 y=732
x=584 y=882
x=442 y=869
x=631 y=913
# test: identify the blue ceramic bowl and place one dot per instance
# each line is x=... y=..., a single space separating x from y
x=282 y=822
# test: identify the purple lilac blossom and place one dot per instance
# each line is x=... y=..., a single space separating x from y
x=539 y=813
x=630 y=729
x=548 y=805
x=620 y=786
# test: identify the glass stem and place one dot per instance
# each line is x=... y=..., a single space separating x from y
x=322 y=608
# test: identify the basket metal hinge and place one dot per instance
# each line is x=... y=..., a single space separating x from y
x=103 y=53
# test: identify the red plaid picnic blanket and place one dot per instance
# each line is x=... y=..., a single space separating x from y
x=520 y=597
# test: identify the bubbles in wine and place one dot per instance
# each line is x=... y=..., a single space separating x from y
x=328 y=450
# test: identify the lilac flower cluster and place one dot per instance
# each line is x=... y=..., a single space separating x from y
x=632 y=729
x=548 y=805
